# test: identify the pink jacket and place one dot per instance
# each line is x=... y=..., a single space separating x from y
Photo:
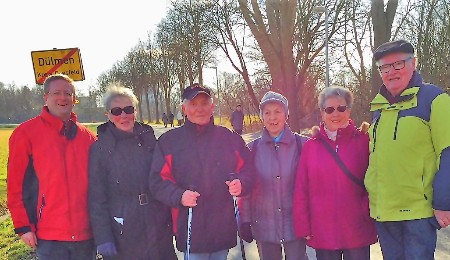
x=328 y=205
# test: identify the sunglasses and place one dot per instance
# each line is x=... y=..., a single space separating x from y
x=330 y=110
x=117 y=111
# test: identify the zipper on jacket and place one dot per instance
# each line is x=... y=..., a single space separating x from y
x=374 y=134
x=337 y=148
x=396 y=126
x=42 y=206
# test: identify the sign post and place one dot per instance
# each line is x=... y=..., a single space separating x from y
x=64 y=61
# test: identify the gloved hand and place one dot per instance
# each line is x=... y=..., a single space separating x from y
x=245 y=232
x=107 y=249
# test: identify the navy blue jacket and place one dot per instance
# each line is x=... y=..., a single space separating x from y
x=203 y=157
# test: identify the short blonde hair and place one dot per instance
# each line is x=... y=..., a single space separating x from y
x=54 y=77
x=114 y=91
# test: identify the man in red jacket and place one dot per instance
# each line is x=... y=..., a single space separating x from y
x=47 y=177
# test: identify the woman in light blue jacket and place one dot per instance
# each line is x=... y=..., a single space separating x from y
x=266 y=214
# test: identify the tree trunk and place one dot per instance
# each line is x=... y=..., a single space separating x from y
x=275 y=42
x=155 y=91
x=149 y=115
x=382 y=28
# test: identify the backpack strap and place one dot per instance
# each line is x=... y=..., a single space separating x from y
x=254 y=145
x=300 y=140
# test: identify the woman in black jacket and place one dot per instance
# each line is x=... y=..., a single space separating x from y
x=127 y=222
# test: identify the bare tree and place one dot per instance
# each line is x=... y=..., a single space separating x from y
x=230 y=24
x=382 y=20
x=286 y=32
x=431 y=35
x=190 y=36
x=356 y=42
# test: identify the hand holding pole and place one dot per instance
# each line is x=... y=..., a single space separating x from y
x=189 y=199
x=235 y=188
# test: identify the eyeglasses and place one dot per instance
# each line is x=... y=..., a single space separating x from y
x=398 y=65
x=330 y=110
x=60 y=93
x=117 y=111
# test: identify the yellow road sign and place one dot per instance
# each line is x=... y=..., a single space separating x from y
x=65 y=61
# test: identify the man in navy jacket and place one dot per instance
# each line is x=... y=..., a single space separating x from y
x=191 y=167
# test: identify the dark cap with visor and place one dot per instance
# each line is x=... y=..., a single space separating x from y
x=192 y=91
x=393 y=47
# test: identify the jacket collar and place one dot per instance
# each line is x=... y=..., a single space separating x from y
x=407 y=99
x=108 y=133
x=55 y=121
x=348 y=131
x=405 y=95
x=287 y=136
x=195 y=128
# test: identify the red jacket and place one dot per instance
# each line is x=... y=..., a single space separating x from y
x=55 y=203
x=328 y=205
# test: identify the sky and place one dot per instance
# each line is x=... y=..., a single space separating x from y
x=104 y=31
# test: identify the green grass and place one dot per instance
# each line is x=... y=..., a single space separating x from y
x=4 y=137
x=92 y=127
x=10 y=126
x=10 y=245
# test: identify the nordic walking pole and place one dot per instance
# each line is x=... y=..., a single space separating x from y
x=188 y=241
x=236 y=214
x=189 y=228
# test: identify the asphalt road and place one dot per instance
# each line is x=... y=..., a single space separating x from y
x=442 y=249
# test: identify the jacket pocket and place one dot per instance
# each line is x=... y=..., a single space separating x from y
x=41 y=207
x=118 y=222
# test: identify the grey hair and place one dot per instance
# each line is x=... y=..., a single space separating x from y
x=114 y=91
x=329 y=92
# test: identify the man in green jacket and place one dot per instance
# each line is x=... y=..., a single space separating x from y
x=408 y=178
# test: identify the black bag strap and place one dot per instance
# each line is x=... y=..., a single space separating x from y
x=341 y=164
x=254 y=145
x=300 y=139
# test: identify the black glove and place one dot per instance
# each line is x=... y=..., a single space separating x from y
x=107 y=249
x=245 y=232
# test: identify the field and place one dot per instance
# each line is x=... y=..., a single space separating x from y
x=10 y=245
x=4 y=136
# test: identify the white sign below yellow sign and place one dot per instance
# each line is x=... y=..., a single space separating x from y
x=64 y=61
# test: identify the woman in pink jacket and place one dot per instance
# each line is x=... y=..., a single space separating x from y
x=331 y=208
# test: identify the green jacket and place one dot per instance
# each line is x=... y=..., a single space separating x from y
x=407 y=138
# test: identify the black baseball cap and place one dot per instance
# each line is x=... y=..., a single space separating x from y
x=393 y=47
x=192 y=91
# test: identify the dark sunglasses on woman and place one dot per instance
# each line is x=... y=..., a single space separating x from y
x=117 y=111
x=330 y=110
